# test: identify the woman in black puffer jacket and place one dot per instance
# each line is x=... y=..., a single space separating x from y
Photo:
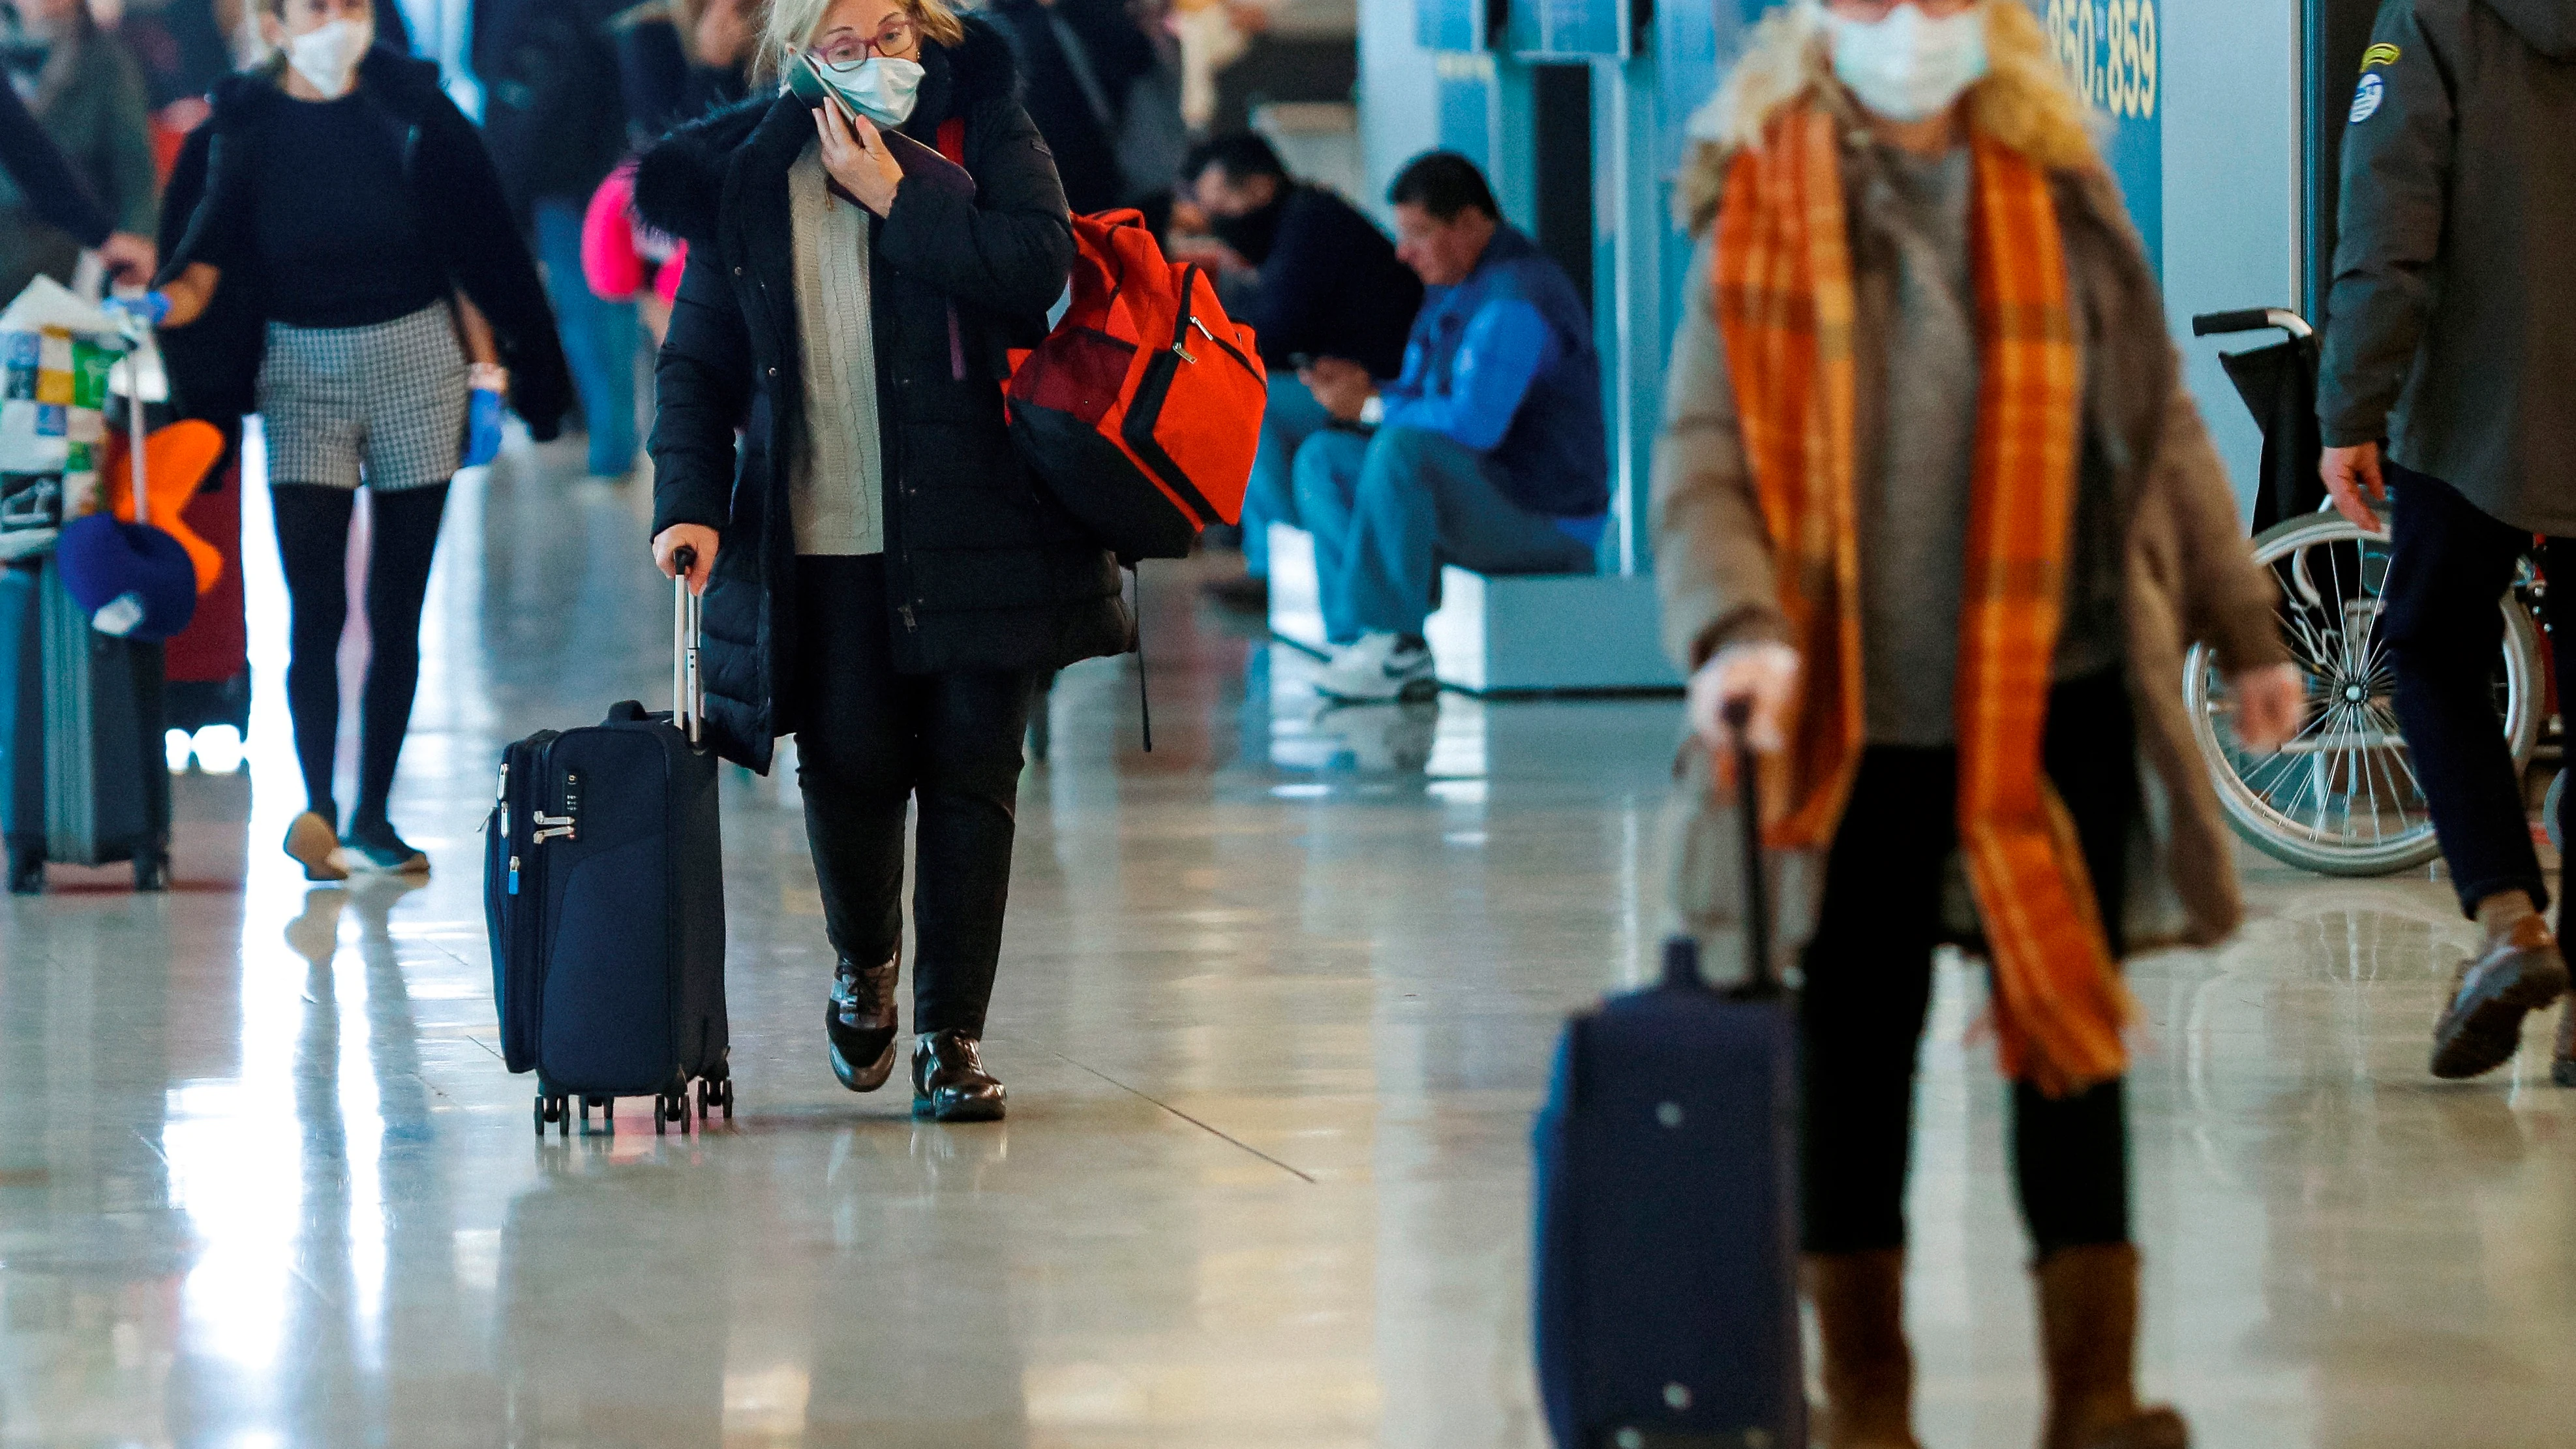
x=883 y=577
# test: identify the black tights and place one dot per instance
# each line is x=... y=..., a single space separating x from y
x=1869 y=982
x=313 y=544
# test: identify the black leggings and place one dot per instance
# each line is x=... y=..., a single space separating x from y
x=313 y=544
x=1869 y=984
x=869 y=743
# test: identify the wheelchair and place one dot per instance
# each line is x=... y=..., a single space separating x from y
x=2342 y=798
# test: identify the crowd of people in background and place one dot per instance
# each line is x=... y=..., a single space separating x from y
x=1433 y=399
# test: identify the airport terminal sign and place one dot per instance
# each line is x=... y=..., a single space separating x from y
x=2112 y=49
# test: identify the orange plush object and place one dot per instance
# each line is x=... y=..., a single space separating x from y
x=176 y=459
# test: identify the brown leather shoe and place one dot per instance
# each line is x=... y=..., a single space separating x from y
x=2088 y=1325
x=2507 y=980
x=2562 y=1063
x=1868 y=1369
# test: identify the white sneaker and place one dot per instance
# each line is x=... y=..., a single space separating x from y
x=1378 y=667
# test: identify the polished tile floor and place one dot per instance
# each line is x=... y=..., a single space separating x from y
x=1275 y=1010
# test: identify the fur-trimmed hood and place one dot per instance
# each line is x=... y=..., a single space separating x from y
x=2024 y=102
x=679 y=183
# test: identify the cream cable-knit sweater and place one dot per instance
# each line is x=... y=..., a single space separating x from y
x=835 y=487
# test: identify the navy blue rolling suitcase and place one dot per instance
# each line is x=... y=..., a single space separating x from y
x=603 y=889
x=1667 y=1248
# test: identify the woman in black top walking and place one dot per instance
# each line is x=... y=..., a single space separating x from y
x=883 y=578
x=339 y=259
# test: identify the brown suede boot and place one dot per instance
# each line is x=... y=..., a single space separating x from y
x=2088 y=1326
x=1869 y=1372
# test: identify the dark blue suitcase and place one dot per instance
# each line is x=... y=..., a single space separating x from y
x=1666 y=1273
x=603 y=889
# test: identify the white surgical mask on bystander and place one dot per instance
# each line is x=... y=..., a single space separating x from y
x=1908 y=66
x=328 y=57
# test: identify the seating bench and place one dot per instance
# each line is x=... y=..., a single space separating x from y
x=1504 y=633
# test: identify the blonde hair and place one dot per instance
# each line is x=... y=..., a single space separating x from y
x=792 y=23
x=2025 y=102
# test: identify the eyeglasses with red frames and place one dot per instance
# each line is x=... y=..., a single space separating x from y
x=896 y=38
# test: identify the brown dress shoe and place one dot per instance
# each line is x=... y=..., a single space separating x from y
x=2507 y=980
x=2562 y=1062
x=1868 y=1369
x=2088 y=1324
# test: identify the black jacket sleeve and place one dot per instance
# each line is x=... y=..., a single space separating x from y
x=2397 y=160
x=1298 y=280
x=702 y=381
x=491 y=263
x=1009 y=246
x=37 y=165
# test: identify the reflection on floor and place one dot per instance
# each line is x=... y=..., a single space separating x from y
x=1276 y=1007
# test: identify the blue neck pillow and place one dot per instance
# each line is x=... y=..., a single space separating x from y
x=131 y=579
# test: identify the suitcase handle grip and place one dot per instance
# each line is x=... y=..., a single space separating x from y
x=1761 y=976
x=688 y=689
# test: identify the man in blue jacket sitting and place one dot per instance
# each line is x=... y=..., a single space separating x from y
x=1489 y=452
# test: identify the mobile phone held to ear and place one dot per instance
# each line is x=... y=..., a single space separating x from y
x=805 y=82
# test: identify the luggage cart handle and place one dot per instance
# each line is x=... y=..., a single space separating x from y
x=688 y=690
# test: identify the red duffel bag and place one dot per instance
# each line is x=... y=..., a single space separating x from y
x=1142 y=409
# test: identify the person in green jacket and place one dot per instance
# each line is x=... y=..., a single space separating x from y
x=88 y=93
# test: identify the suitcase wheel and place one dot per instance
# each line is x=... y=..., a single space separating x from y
x=715 y=1093
x=152 y=871
x=553 y=1108
x=26 y=870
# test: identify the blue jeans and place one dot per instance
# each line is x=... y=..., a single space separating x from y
x=1287 y=421
x=598 y=339
x=1388 y=510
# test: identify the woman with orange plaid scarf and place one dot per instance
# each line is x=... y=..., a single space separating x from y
x=1932 y=497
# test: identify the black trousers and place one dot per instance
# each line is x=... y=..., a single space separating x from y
x=2448 y=563
x=1869 y=983
x=871 y=742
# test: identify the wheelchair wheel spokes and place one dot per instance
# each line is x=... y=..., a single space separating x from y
x=2344 y=796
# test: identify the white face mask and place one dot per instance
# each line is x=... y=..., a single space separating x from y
x=881 y=87
x=1909 y=67
x=328 y=57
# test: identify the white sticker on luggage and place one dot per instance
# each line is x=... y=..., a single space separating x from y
x=2365 y=100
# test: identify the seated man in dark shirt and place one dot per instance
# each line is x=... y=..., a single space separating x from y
x=1330 y=287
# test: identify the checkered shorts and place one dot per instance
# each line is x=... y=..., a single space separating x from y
x=386 y=400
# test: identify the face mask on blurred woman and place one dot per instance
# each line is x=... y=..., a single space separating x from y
x=1906 y=65
x=328 y=57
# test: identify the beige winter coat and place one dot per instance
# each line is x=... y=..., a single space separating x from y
x=2189 y=574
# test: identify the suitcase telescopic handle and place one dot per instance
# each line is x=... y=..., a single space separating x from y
x=1761 y=977
x=134 y=430
x=688 y=691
